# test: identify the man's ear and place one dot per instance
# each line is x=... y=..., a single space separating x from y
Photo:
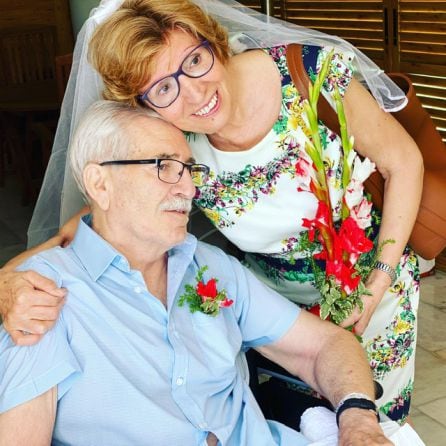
x=98 y=184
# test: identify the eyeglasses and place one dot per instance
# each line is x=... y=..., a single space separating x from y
x=170 y=170
x=196 y=64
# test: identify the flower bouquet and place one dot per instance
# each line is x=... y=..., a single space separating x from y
x=337 y=235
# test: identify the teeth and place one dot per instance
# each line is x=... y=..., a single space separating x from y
x=205 y=110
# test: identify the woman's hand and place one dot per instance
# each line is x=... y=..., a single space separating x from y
x=377 y=283
x=360 y=319
x=68 y=230
x=29 y=305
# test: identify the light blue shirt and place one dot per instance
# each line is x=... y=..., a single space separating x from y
x=131 y=372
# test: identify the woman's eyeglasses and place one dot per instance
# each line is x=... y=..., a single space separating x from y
x=165 y=91
x=170 y=170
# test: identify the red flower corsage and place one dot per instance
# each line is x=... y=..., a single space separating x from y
x=204 y=296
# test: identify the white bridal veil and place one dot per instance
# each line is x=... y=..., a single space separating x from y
x=59 y=197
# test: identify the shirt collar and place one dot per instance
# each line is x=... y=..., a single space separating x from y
x=186 y=249
x=96 y=254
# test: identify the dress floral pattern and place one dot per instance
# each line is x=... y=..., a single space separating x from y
x=254 y=198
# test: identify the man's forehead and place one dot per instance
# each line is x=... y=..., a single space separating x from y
x=158 y=139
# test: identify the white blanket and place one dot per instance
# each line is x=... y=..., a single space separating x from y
x=318 y=424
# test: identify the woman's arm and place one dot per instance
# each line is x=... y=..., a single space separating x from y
x=30 y=423
x=12 y=264
x=29 y=303
x=381 y=138
x=68 y=230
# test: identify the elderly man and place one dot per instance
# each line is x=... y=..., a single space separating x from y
x=148 y=349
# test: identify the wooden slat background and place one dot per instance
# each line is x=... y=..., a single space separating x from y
x=15 y=13
x=410 y=36
x=422 y=53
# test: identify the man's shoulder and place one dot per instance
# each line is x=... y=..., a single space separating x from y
x=48 y=256
x=219 y=263
x=50 y=263
x=212 y=252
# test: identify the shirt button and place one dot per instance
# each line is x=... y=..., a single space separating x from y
x=137 y=290
x=203 y=425
x=180 y=381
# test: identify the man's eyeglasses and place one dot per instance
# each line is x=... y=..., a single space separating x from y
x=196 y=64
x=170 y=170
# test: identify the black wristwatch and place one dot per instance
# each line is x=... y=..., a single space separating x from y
x=357 y=401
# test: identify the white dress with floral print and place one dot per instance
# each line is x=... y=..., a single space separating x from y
x=253 y=198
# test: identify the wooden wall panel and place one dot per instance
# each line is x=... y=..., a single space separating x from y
x=358 y=21
x=422 y=53
x=16 y=13
x=26 y=12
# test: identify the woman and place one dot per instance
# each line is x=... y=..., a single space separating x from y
x=245 y=116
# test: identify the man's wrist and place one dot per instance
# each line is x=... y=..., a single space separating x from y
x=356 y=401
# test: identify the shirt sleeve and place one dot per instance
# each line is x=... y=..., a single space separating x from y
x=38 y=264
x=27 y=372
x=264 y=315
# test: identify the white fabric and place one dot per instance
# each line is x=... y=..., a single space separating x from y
x=275 y=216
x=318 y=424
x=59 y=197
x=426 y=266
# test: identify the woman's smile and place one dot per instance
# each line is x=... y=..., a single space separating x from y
x=211 y=107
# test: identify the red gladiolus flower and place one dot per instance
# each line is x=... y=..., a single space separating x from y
x=207 y=291
x=350 y=279
x=302 y=167
x=344 y=274
x=336 y=234
x=319 y=223
x=353 y=238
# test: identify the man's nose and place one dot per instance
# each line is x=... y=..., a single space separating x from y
x=186 y=186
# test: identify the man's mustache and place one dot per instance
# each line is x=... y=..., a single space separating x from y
x=177 y=204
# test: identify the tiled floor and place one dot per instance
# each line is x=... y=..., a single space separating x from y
x=429 y=403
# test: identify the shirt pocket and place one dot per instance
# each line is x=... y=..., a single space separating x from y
x=219 y=338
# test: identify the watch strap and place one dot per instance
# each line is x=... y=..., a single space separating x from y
x=386 y=268
x=357 y=403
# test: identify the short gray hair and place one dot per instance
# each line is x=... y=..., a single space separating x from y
x=103 y=135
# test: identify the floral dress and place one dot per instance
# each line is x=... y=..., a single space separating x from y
x=253 y=197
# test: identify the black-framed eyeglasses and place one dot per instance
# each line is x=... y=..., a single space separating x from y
x=165 y=91
x=170 y=170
